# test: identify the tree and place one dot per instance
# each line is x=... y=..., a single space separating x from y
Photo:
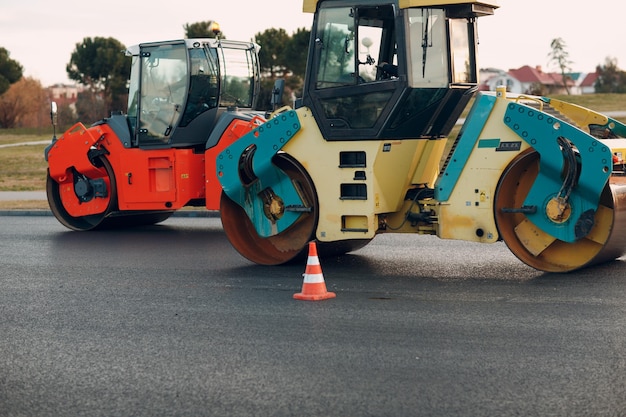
x=90 y=105
x=272 y=54
x=610 y=78
x=282 y=56
x=99 y=64
x=296 y=52
x=560 y=56
x=66 y=116
x=208 y=29
x=24 y=104
x=10 y=70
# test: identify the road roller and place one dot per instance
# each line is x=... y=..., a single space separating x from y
x=188 y=99
x=368 y=149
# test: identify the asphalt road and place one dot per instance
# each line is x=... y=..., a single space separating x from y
x=170 y=321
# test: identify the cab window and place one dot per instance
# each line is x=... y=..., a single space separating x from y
x=461 y=50
x=203 y=85
x=428 y=48
x=354 y=47
x=133 y=92
x=238 y=67
x=336 y=37
x=163 y=91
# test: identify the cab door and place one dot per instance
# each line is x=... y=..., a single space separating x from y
x=350 y=92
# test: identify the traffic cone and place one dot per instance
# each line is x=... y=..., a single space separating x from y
x=314 y=287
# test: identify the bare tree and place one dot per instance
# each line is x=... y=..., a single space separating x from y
x=23 y=104
x=560 y=56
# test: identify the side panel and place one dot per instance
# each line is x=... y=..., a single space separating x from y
x=358 y=180
x=158 y=179
x=465 y=190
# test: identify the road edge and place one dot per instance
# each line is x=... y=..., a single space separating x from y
x=180 y=213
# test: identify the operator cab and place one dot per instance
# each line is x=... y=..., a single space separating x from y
x=392 y=70
x=178 y=89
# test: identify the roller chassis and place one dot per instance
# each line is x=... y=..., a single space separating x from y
x=468 y=198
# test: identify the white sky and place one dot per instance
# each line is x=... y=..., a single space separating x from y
x=41 y=34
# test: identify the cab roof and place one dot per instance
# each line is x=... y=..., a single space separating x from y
x=195 y=43
x=309 y=6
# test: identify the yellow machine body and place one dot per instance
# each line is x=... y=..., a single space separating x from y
x=369 y=149
x=390 y=168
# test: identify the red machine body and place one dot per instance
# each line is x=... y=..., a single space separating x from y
x=188 y=100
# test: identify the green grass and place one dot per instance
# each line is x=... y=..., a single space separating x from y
x=11 y=137
x=597 y=102
x=22 y=168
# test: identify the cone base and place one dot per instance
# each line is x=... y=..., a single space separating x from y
x=314 y=297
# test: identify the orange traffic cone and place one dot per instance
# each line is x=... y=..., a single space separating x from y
x=314 y=287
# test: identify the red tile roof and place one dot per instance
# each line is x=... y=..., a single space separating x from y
x=528 y=74
x=589 y=80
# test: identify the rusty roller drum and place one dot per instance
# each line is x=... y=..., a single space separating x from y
x=605 y=242
x=291 y=244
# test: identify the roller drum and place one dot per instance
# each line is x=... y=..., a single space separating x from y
x=605 y=241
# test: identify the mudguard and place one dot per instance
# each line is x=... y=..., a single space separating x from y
x=542 y=132
x=246 y=172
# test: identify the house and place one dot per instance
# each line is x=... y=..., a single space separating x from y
x=64 y=93
x=533 y=80
x=490 y=78
x=588 y=83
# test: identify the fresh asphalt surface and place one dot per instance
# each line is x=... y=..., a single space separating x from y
x=169 y=320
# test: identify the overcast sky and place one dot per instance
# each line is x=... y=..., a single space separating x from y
x=41 y=34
